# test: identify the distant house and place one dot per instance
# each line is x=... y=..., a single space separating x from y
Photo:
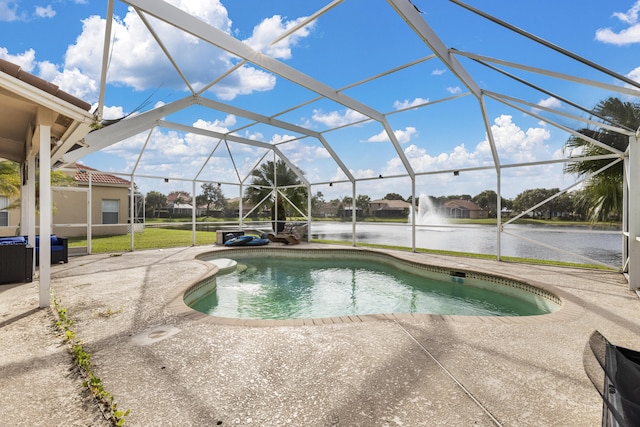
x=329 y=209
x=389 y=208
x=107 y=212
x=109 y=203
x=458 y=208
x=109 y=196
x=178 y=197
x=247 y=206
x=347 y=212
x=179 y=203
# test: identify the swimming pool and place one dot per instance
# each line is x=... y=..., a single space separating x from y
x=294 y=284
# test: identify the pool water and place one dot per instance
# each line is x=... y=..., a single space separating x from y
x=268 y=287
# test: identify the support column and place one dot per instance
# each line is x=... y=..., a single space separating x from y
x=353 y=214
x=29 y=227
x=132 y=215
x=412 y=218
x=90 y=214
x=499 y=215
x=309 y=212
x=45 y=215
x=633 y=201
x=193 y=212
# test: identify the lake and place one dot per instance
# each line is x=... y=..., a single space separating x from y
x=580 y=244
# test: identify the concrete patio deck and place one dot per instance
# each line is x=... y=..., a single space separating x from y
x=174 y=369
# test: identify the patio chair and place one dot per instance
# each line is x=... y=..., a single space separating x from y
x=291 y=234
x=615 y=373
x=287 y=239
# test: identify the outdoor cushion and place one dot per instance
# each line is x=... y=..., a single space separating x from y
x=59 y=249
x=18 y=240
x=54 y=241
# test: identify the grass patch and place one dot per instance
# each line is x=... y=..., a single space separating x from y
x=82 y=358
x=150 y=238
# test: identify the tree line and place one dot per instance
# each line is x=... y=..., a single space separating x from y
x=567 y=205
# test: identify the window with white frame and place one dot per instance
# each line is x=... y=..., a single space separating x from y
x=110 y=210
x=4 y=213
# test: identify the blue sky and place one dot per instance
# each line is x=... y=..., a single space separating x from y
x=62 y=41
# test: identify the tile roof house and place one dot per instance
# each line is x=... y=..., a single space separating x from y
x=97 y=177
x=247 y=206
x=389 y=208
x=328 y=209
x=109 y=212
x=458 y=208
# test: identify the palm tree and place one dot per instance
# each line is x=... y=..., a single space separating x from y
x=266 y=177
x=602 y=197
x=10 y=181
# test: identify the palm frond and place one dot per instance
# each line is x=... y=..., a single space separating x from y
x=602 y=198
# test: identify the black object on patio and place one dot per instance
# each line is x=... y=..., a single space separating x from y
x=615 y=373
x=59 y=249
x=16 y=262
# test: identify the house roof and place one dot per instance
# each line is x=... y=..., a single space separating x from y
x=462 y=204
x=17 y=72
x=392 y=204
x=246 y=203
x=175 y=195
x=25 y=101
x=97 y=177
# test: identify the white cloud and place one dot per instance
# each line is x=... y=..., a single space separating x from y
x=221 y=126
x=9 y=11
x=512 y=143
x=421 y=160
x=634 y=74
x=254 y=136
x=243 y=82
x=336 y=118
x=278 y=138
x=138 y=62
x=71 y=80
x=631 y=16
x=627 y=35
x=454 y=89
x=25 y=60
x=439 y=72
x=110 y=113
x=359 y=174
x=401 y=105
x=302 y=154
x=209 y=11
x=45 y=12
x=550 y=102
x=270 y=29
x=403 y=136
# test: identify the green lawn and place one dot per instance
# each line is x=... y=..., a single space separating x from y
x=150 y=238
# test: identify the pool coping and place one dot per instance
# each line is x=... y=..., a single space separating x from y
x=567 y=311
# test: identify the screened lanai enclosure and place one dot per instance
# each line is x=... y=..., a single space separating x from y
x=361 y=98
